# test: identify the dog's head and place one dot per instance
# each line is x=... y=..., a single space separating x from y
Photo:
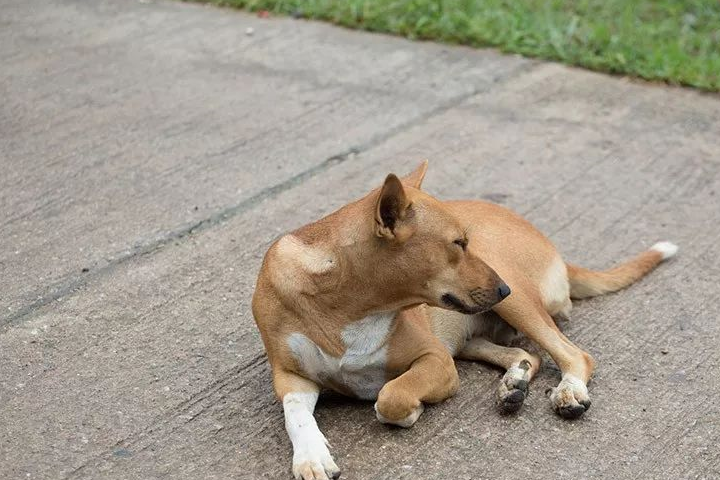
x=425 y=252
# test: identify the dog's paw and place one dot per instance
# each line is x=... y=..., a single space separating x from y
x=405 y=422
x=397 y=406
x=514 y=387
x=314 y=462
x=570 y=398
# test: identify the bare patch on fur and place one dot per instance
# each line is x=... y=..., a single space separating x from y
x=311 y=259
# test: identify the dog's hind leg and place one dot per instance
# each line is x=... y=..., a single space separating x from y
x=524 y=311
x=520 y=368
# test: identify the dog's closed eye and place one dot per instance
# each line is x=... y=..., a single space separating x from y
x=461 y=242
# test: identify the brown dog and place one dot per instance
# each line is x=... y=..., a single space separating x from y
x=376 y=299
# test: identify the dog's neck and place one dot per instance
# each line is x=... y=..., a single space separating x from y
x=339 y=257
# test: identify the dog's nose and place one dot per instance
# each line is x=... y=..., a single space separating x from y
x=503 y=291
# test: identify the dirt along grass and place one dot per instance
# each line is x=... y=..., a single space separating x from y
x=675 y=41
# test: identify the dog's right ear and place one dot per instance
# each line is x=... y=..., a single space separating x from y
x=391 y=209
x=415 y=178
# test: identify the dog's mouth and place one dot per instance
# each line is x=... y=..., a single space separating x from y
x=454 y=303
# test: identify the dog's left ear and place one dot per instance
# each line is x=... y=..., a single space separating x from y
x=391 y=210
x=415 y=178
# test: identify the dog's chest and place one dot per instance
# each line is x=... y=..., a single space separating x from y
x=362 y=369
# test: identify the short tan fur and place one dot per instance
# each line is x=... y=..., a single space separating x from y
x=376 y=299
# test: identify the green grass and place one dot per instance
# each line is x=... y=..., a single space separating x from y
x=676 y=41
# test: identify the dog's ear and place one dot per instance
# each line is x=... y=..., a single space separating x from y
x=391 y=209
x=415 y=178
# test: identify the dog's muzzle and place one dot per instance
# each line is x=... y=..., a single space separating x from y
x=484 y=300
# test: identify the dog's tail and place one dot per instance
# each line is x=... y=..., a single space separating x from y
x=586 y=283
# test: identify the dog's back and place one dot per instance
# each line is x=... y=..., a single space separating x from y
x=514 y=248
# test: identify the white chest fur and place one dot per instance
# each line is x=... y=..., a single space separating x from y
x=362 y=368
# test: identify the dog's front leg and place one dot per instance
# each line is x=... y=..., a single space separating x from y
x=431 y=378
x=311 y=457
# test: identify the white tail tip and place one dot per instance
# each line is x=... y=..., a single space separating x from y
x=667 y=249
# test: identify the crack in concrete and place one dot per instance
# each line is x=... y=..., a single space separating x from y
x=162 y=427
x=72 y=285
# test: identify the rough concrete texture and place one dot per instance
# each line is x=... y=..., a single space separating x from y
x=161 y=148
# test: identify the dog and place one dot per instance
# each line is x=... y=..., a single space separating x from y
x=376 y=299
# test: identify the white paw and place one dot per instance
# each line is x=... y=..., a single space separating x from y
x=513 y=387
x=667 y=249
x=406 y=422
x=570 y=398
x=313 y=461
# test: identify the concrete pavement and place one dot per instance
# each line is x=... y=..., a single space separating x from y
x=152 y=151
